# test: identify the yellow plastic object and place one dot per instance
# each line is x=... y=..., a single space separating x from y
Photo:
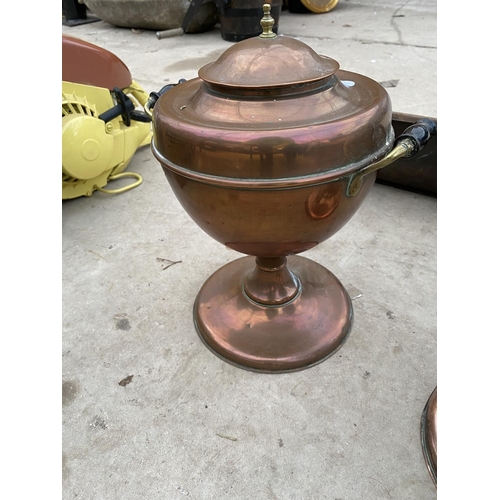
x=123 y=189
x=320 y=6
x=95 y=152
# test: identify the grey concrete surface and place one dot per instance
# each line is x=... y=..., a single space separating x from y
x=189 y=425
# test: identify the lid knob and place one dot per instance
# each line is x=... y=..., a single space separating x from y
x=267 y=23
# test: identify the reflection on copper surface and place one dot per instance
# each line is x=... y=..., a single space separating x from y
x=323 y=202
x=281 y=338
x=429 y=435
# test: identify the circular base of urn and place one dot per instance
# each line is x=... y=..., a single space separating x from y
x=273 y=338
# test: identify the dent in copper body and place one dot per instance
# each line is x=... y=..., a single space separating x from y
x=323 y=201
x=290 y=337
x=429 y=435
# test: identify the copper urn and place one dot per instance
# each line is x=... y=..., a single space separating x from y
x=271 y=150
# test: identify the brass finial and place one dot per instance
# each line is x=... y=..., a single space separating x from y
x=267 y=23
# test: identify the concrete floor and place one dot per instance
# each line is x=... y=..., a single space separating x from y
x=189 y=425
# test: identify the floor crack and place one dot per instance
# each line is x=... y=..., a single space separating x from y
x=395 y=25
x=365 y=41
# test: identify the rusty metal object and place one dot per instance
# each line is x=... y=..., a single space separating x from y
x=261 y=150
x=429 y=435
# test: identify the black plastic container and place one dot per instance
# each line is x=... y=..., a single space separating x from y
x=297 y=7
x=240 y=19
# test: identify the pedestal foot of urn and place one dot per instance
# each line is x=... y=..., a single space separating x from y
x=272 y=338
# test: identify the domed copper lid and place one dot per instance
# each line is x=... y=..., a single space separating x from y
x=271 y=108
x=264 y=63
x=268 y=61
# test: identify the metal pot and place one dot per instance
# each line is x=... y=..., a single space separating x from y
x=271 y=151
x=428 y=435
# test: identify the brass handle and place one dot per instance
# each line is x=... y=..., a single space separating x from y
x=407 y=145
